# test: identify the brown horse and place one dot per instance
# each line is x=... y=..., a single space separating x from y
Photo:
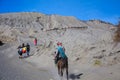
x=62 y=64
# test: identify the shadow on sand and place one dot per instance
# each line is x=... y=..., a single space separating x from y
x=75 y=76
x=26 y=56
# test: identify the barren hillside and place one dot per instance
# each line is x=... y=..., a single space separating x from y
x=84 y=40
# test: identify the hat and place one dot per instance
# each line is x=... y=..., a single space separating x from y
x=59 y=43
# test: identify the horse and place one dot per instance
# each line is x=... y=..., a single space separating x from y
x=61 y=65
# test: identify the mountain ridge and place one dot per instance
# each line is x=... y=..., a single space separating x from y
x=37 y=16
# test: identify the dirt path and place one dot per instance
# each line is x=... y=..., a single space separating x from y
x=13 y=68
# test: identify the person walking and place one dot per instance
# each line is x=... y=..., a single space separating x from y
x=20 y=51
x=27 y=49
x=35 y=41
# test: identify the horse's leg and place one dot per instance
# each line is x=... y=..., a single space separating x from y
x=61 y=72
x=58 y=70
x=67 y=72
x=67 y=69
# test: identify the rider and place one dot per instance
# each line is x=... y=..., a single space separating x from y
x=60 y=53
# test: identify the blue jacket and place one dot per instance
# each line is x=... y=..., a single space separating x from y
x=61 y=52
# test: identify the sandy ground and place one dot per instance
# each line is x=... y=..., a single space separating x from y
x=13 y=68
x=44 y=63
x=80 y=71
x=77 y=71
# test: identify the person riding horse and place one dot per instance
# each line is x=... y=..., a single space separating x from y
x=61 y=60
x=60 y=53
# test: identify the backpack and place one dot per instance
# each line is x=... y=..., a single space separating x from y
x=20 y=50
x=24 y=50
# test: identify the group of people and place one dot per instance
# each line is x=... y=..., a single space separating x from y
x=23 y=49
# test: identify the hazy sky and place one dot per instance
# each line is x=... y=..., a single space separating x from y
x=106 y=10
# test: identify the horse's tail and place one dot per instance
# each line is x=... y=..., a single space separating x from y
x=60 y=67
